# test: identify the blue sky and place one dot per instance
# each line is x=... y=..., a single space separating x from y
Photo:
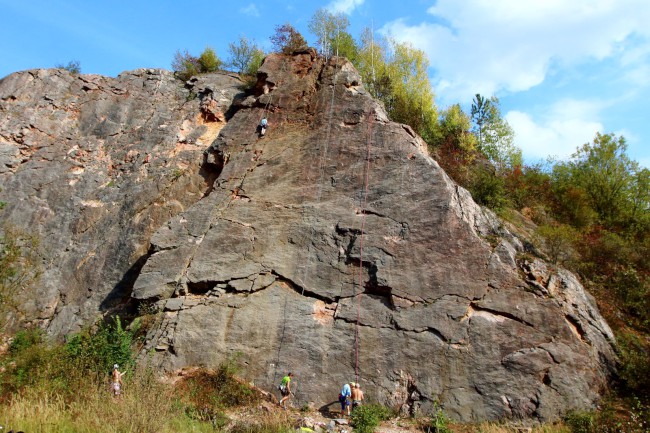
x=563 y=70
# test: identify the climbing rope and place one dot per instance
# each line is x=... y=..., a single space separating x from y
x=321 y=169
x=364 y=202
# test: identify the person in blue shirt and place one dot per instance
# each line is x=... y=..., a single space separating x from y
x=262 y=127
x=344 y=398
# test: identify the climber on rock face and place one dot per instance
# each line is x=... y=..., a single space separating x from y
x=262 y=127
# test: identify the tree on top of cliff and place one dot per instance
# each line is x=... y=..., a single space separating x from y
x=245 y=56
x=185 y=65
x=332 y=35
x=287 y=39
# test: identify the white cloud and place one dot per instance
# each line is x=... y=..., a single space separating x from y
x=559 y=132
x=482 y=46
x=345 y=6
x=251 y=10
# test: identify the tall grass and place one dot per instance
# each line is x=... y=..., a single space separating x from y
x=145 y=406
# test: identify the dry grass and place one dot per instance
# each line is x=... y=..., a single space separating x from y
x=490 y=427
x=145 y=406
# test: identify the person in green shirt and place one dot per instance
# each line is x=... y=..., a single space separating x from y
x=285 y=389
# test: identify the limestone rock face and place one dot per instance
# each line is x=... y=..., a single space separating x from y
x=334 y=247
x=92 y=166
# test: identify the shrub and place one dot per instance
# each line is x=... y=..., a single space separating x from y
x=366 y=418
x=558 y=241
x=185 y=65
x=208 y=61
x=73 y=66
x=580 y=422
x=635 y=362
x=212 y=391
x=439 y=421
x=24 y=339
x=97 y=350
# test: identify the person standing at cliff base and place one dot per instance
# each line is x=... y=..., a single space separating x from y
x=344 y=398
x=285 y=389
x=116 y=381
x=357 y=395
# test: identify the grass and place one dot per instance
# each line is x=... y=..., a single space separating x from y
x=145 y=406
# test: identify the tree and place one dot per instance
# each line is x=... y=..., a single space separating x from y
x=345 y=46
x=372 y=65
x=454 y=144
x=495 y=136
x=614 y=184
x=208 y=61
x=331 y=32
x=396 y=74
x=481 y=114
x=412 y=99
x=245 y=56
x=558 y=240
x=287 y=39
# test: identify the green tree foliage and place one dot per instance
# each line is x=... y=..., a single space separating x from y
x=287 y=39
x=73 y=66
x=208 y=61
x=614 y=186
x=488 y=188
x=332 y=36
x=245 y=56
x=454 y=144
x=185 y=65
x=396 y=74
x=558 y=240
x=635 y=368
x=495 y=136
x=413 y=99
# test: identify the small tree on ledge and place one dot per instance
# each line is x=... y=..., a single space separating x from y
x=287 y=39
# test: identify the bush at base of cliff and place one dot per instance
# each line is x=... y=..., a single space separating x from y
x=366 y=418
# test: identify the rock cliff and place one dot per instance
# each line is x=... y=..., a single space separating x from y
x=334 y=247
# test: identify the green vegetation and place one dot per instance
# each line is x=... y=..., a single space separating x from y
x=331 y=31
x=245 y=56
x=366 y=418
x=73 y=66
x=65 y=387
x=439 y=421
x=185 y=65
x=287 y=39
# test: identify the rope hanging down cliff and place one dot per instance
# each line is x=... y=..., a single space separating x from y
x=321 y=168
x=364 y=202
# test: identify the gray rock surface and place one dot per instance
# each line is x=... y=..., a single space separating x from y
x=92 y=166
x=334 y=247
